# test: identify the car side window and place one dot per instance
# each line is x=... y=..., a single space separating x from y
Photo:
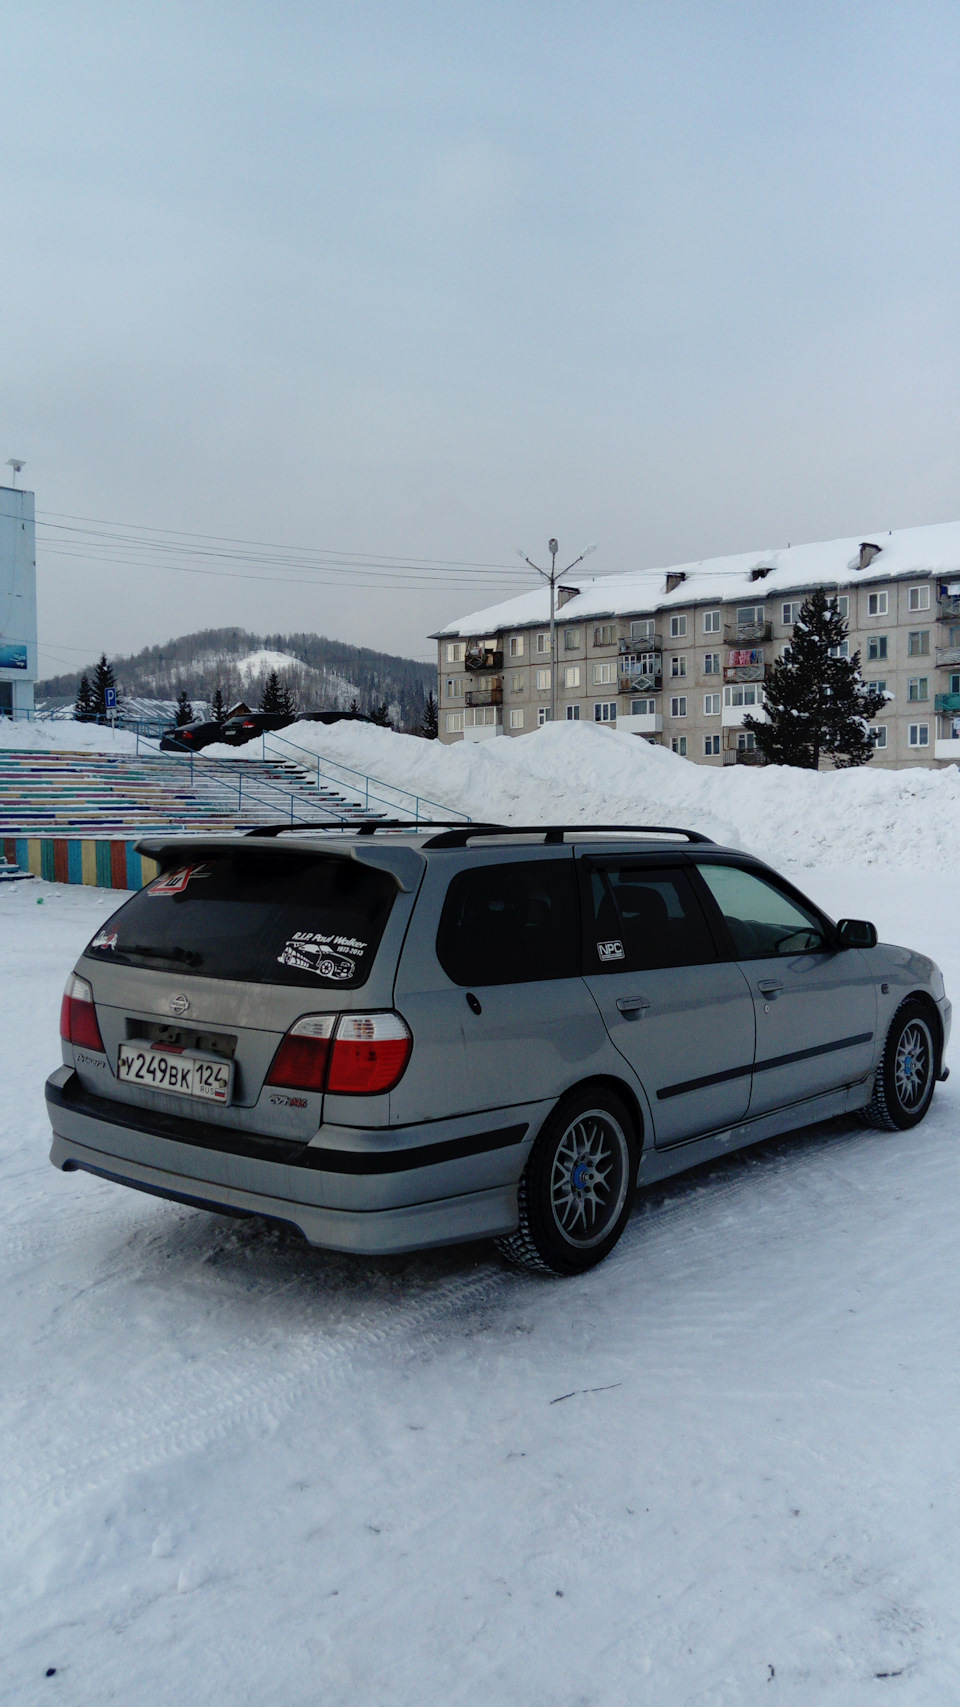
x=638 y=917
x=510 y=923
x=761 y=920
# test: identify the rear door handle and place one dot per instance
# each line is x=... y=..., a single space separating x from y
x=632 y=1004
x=769 y=986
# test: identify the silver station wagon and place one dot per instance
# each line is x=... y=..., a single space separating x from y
x=392 y=1040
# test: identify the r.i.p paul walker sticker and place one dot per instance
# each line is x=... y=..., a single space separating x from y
x=611 y=950
x=332 y=957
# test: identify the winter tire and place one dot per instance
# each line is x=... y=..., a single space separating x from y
x=907 y=1072
x=578 y=1187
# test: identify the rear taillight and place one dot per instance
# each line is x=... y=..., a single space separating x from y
x=78 y=1016
x=355 y=1055
x=369 y=1054
x=301 y=1060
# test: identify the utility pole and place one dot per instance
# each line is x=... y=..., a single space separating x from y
x=554 y=576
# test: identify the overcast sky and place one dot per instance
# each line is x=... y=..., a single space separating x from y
x=434 y=281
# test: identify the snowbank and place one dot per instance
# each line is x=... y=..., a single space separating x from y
x=577 y=773
x=43 y=735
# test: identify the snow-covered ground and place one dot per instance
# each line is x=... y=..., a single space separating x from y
x=722 y=1469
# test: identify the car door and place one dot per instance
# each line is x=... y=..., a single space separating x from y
x=676 y=1010
x=816 y=1005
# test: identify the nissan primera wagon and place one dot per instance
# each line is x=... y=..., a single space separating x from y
x=393 y=1040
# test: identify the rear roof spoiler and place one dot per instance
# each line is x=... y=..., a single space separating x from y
x=404 y=864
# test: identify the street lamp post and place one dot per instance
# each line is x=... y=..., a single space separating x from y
x=553 y=576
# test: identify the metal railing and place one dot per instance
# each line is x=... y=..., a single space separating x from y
x=401 y=801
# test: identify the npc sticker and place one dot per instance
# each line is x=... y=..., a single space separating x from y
x=326 y=955
x=612 y=950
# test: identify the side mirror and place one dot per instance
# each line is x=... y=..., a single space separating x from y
x=856 y=933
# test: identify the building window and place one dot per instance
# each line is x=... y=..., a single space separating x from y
x=516 y=645
x=605 y=711
x=711 y=622
x=678 y=705
x=573 y=714
x=454 y=722
x=841 y=604
x=543 y=715
x=571 y=639
x=711 y=746
x=454 y=687
x=543 y=678
x=743 y=693
x=643 y=707
x=602 y=674
x=919 y=732
x=876 y=647
x=954 y=684
x=571 y=675
x=918 y=687
x=604 y=635
x=517 y=682
x=748 y=614
x=841 y=651
x=516 y=719
x=543 y=642
x=877 y=604
x=879 y=734
x=918 y=643
x=711 y=663
x=678 y=665
x=881 y=687
x=482 y=717
x=679 y=745
x=644 y=629
x=746 y=741
x=790 y=613
x=919 y=599
x=711 y=705
x=678 y=627
x=455 y=652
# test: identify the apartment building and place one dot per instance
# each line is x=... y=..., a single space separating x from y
x=679 y=656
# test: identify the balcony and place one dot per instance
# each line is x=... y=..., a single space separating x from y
x=732 y=716
x=736 y=633
x=478 y=658
x=650 y=643
x=948 y=702
x=948 y=749
x=949 y=605
x=492 y=695
x=947 y=655
x=744 y=672
x=640 y=682
x=651 y=723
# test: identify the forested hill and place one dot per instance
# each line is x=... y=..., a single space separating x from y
x=319 y=672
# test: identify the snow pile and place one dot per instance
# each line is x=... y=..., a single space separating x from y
x=43 y=735
x=578 y=773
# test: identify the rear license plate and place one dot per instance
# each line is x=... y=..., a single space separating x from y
x=204 y=1076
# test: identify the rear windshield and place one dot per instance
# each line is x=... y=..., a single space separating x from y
x=257 y=918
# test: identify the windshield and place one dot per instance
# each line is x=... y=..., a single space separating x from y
x=249 y=916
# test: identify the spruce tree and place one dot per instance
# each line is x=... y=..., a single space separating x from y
x=288 y=701
x=184 y=709
x=817 y=702
x=218 y=710
x=103 y=678
x=430 y=721
x=381 y=714
x=83 y=709
x=270 y=700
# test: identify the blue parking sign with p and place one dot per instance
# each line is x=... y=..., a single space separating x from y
x=110 y=698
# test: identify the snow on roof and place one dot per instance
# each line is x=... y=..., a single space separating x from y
x=931 y=550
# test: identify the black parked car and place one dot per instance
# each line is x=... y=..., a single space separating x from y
x=190 y=737
x=248 y=725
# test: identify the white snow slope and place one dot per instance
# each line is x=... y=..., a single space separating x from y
x=579 y=773
x=722 y=1469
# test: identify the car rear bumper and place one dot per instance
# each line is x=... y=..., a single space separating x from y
x=383 y=1192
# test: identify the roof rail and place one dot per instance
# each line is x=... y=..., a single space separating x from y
x=458 y=835
x=553 y=833
x=360 y=827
